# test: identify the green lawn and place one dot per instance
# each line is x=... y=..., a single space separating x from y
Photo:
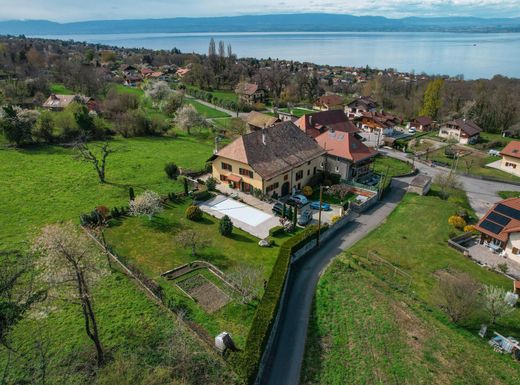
x=486 y=137
x=384 y=164
x=152 y=247
x=227 y=95
x=45 y=184
x=298 y=111
x=206 y=111
x=473 y=164
x=509 y=194
x=363 y=330
x=133 y=330
x=60 y=89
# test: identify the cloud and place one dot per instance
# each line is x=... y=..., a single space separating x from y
x=73 y=10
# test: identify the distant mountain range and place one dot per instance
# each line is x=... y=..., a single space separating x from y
x=305 y=22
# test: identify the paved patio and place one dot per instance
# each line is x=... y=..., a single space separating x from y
x=486 y=257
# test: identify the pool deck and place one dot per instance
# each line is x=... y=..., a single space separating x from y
x=260 y=231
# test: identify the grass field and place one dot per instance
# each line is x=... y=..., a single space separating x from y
x=152 y=247
x=365 y=331
x=227 y=95
x=384 y=164
x=486 y=137
x=509 y=194
x=206 y=111
x=60 y=89
x=132 y=329
x=45 y=184
x=297 y=111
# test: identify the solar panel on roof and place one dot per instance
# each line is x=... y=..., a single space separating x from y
x=509 y=211
x=490 y=226
x=497 y=218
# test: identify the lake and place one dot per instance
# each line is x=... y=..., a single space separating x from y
x=473 y=55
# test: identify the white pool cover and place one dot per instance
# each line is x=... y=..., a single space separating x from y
x=241 y=212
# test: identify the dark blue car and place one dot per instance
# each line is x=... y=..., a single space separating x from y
x=324 y=206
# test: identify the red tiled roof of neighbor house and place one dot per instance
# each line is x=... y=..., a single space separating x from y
x=423 y=120
x=512 y=226
x=317 y=123
x=512 y=149
x=467 y=126
x=345 y=145
x=182 y=71
x=330 y=100
x=246 y=88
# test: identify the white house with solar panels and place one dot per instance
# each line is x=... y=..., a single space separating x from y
x=500 y=228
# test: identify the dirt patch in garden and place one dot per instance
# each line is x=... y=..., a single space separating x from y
x=208 y=295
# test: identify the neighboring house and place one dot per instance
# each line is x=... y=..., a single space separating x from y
x=346 y=154
x=60 y=102
x=275 y=160
x=511 y=158
x=421 y=184
x=421 y=123
x=359 y=106
x=250 y=93
x=378 y=122
x=319 y=122
x=257 y=120
x=329 y=102
x=286 y=116
x=500 y=227
x=182 y=72
x=464 y=131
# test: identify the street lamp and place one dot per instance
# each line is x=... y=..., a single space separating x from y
x=319 y=214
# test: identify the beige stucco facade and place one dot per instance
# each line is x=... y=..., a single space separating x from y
x=282 y=184
x=510 y=164
x=512 y=248
x=452 y=133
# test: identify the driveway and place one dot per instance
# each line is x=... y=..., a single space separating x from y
x=482 y=194
x=284 y=364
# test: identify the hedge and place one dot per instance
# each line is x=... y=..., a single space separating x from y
x=276 y=231
x=249 y=360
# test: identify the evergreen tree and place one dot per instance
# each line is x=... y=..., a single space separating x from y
x=432 y=100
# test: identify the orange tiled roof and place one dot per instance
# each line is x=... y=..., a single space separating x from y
x=345 y=145
x=512 y=149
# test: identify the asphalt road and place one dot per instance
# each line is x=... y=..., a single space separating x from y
x=284 y=365
x=482 y=194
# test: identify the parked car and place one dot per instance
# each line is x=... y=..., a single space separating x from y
x=305 y=218
x=324 y=206
x=297 y=200
x=278 y=208
x=494 y=152
x=412 y=130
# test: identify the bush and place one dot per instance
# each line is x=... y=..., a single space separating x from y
x=92 y=219
x=247 y=364
x=211 y=183
x=469 y=228
x=171 y=170
x=225 y=226
x=335 y=218
x=307 y=191
x=457 y=221
x=194 y=213
x=202 y=195
x=276 y=231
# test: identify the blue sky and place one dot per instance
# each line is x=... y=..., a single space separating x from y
x=74 y=10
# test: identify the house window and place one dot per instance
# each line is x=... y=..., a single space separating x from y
x=245 y=172
x=337 y=169
x=226 y=166
x=308 y=163
x=299 y=175
x=308 y=172
x=314 y=171
x=223 y=178
x=285 y=177
x=321 y=164
x=272 y=187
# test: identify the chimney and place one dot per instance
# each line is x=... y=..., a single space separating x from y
x=263 y=135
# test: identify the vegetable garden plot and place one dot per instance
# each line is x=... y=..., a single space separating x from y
x=208 y=295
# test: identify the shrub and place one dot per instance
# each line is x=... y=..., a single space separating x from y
x=211 y=183
x=335 y=218
x=457 y=221
x=225 y=226
x=171 y=170
x=307 y=191
x=469 y=228
x=276 y=231
x=194 y=213
x=202 y=195
x=92 y=219
x=131 y=193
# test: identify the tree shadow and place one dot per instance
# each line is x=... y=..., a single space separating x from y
x=162 y=224
x=240 y=238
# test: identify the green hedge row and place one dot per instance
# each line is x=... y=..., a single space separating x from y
x=276 y=231
x=248 y=361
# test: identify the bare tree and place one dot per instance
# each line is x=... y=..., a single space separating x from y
x=447 y=183
x=495 y=303
x=70 y=266
x=458 y=295
x=249 y=279
x=277 y=79
x=189 y=239
x=96 y=155
x=148 y=203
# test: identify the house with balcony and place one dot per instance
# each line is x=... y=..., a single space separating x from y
x=500 y=228
x=275 y=160
x=319 y=122
x=511 y=158
x=250 y=93
x=359 y=106
x=463 y=131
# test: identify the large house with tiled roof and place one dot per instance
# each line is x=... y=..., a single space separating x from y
x=511 y=158
x=359 y=106
x=274 y=160
x=319 y=122
x=500 y=227
x=329 y=102
x=257 y=120
x=346 y=154
x=250 y=93
x=464 y=131
x=57 y=102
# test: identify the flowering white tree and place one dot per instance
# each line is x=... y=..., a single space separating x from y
x=495 y=303
x=70 y=265
x=158 y=92
x=187 y=117
x=148 y=203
